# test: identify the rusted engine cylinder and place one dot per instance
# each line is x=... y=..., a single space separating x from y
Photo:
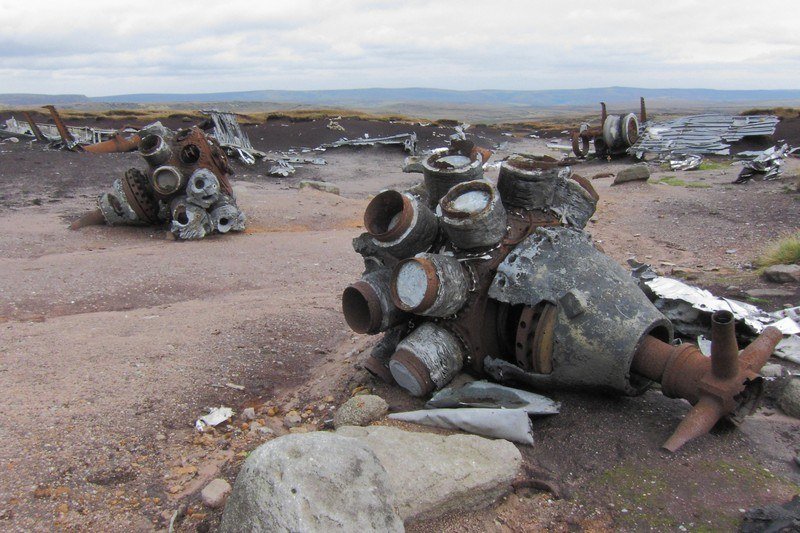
x=602 y=316
x=427 y=359
x=367 y=304
x=473 y=216
x=522 y=184
x=430 y=285
x=226 y=216
x=167 y=181
x=620 y=131
x=400 y=224
x=155 y=150
x=442 y=170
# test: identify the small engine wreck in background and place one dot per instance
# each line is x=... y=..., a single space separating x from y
x=463 y=275
x=186 y=184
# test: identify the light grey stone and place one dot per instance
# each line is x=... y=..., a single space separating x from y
x=360 y=411
x=790 y=398
x=292 y=419
x=632 y=173
x=432 y=475
x=215 y=493
x=323 y=186
x=311 y=482
x=769 y=293
x=249 y=413
x=773 y=370
x=782 y=273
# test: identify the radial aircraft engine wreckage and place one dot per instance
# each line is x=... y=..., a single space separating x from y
x=503 y=281
x=186 y=184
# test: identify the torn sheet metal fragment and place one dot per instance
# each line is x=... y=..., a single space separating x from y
x=509 y=424
x=230 y=136
x=214 y=418
x=281 y=168
x=789 y=349
x=766 y=165
x=489 y=395
x=684 y=161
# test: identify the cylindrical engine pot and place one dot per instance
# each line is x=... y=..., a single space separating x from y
x=167 y=181
x=472 y=215
x=400 y=224
x=523 y=184
x=155 y=150
x=427 y=359
x=620 y=132
x=202 y=188
x=430 y=285
x=116 y=208
x=602 y=314
x=367 y=304
x=442 y=170
x=189 y=221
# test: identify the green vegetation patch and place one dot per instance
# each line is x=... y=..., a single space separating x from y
x=784 y=251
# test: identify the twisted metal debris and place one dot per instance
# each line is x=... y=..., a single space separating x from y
x=463 y=275
x=701 y=134
x=185 y=185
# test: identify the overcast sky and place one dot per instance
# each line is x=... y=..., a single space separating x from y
x=108 y=47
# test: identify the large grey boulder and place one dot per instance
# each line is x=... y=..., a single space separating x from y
x=790 y=398
x=432 y=475
x=360 y=410
x=632 y=173
x=311 y=482
x=782 y=273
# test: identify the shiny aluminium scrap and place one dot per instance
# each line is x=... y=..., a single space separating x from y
x=502 y=281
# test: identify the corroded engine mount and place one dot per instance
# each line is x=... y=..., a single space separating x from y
x=502 y=280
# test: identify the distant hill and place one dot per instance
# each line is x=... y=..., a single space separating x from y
x=19 y=99
x=386 y=97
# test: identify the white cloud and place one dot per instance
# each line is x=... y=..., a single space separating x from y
x=97 y=48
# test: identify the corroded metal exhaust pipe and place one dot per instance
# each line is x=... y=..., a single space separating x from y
x=367 y=304
x=400 y=224
x=430 y=285
x=427 y=359
x=155 y=150
x=203 y=188
x=473 y=216
x=726 y=384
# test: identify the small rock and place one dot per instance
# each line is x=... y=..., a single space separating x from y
x=360 y=410
x=782 y=273
x=769 y=293
x=632 y=173
x=249 y=414
x=292 y=419
x=215 y=493
x=790 y=398
x=323 y=186
x=773 y=370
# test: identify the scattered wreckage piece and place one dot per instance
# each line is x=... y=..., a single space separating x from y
x=701 y=134
x=765 y=165
x=229 y=134
x=684 y=161
x=490 y=395
x=531 y=301
x=407 y=140
x=509 y=424
x=614 y=135
x=690 y=308
x=215 y=417
x=284 y=167
x=186 y=185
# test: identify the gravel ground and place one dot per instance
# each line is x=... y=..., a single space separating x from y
x=114 y=340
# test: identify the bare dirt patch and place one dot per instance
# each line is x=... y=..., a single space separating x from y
x=114 y=340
